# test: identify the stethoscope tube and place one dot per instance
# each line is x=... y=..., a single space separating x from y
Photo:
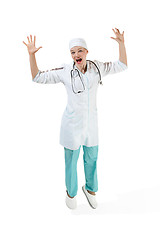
x=100 y=81
x=80 y=79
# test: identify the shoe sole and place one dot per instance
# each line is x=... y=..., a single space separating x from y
x=87 y=199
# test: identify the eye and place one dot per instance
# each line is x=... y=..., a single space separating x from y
x=80 y=51
x=72 y=52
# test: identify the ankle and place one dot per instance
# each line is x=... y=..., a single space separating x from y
x=69 y=195
x=92 y=193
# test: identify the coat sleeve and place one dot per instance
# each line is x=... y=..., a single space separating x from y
x=110 y=67
x=50 y=76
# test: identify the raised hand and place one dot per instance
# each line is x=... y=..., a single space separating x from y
x=31 y=45
x=119 y=37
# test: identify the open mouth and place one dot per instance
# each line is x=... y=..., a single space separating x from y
x=79 y=60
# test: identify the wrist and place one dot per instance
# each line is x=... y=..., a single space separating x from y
x=121 y=44
x=31 y=54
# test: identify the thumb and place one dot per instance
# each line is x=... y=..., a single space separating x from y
x=39 y=48
x=113 y=38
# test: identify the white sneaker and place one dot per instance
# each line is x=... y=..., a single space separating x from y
x=71 y=202
x=91 y=198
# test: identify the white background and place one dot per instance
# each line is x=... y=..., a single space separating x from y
x=32 y=181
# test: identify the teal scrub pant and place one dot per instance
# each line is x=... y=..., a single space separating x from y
x=90 y=155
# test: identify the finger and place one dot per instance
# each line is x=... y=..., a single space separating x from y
x=25 y=43
x=28 y=39
x=31 y=37
x=116 y=33
x=123 y=33
x=34 y=40
x=117 y=30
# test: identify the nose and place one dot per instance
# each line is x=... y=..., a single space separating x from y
x=76 y=54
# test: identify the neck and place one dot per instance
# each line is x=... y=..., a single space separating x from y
x=82 y=68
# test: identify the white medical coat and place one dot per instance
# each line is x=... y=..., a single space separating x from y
x=79 y=124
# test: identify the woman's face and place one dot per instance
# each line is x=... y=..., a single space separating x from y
x=79 y=55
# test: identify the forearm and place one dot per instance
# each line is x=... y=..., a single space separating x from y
x=122 y=53
x=33 y=65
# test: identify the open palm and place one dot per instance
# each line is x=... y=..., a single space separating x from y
x=31 y=45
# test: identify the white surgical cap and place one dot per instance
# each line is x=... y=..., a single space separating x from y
x=77 y=42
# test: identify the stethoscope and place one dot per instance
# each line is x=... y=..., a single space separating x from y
x=75 y=73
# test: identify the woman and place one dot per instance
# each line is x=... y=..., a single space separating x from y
x=79 y=126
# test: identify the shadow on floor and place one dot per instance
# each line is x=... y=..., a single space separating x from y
x=137 y=202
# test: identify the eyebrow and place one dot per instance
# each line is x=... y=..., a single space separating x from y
x=77 y=49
